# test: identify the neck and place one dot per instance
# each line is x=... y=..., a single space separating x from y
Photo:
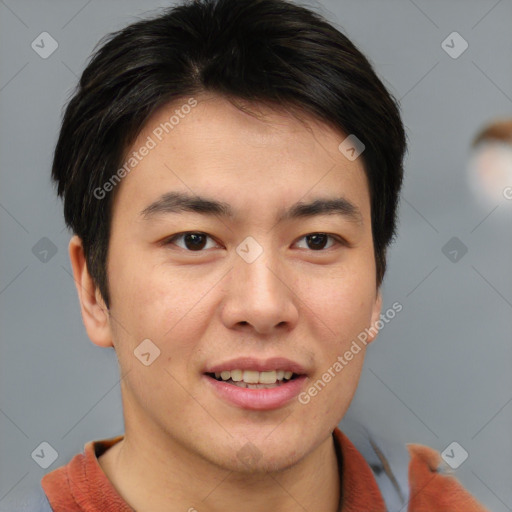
x=156 y=477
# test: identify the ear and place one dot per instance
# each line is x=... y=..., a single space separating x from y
x=94 y=311
x=377 y=306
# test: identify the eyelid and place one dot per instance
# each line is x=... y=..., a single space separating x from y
x=170 y=240
x=339 y=239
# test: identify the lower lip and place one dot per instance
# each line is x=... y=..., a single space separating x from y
x=258 y=399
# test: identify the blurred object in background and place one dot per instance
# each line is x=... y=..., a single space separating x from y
x=490 y=165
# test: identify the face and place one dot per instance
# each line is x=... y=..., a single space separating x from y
x=252 y=286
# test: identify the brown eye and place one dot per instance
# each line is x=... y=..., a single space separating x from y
x=192 y=241
x=318 y=241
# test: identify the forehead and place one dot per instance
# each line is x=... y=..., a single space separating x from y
x=262 y=154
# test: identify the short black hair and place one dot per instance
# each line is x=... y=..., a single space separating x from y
x=271 y=52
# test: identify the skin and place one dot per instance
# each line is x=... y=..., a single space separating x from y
x=181 y=440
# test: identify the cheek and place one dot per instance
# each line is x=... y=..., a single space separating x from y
x=150 y=302
x=342 y=303
x=341 y=310
x=158 y=305
x=146 y=294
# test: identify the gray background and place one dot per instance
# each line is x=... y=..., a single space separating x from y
x=439 y=372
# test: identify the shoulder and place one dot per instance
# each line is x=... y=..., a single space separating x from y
x=410 y=475
x=433 y=483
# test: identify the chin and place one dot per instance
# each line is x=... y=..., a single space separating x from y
x=262 y=455
x=264 y=463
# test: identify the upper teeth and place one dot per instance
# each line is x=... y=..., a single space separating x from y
x=254 y=377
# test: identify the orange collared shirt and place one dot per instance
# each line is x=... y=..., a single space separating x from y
x=82 y=486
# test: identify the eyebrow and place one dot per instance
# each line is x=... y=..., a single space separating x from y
x=180 y=202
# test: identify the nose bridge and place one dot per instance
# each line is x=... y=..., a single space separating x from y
x=257 y=293
x=257 y=279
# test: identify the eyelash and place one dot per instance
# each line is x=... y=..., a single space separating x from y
x=172 y=239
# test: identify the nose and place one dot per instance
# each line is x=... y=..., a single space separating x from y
x=259 y=295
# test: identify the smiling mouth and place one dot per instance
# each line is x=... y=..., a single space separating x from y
x=251 y=379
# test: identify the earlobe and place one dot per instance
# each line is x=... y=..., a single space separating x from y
x=374 y=329
x=94 y=312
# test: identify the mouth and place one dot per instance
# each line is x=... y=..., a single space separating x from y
x=253 y=384
x=253 y=379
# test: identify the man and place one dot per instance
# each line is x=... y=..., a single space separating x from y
x=231 y=170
